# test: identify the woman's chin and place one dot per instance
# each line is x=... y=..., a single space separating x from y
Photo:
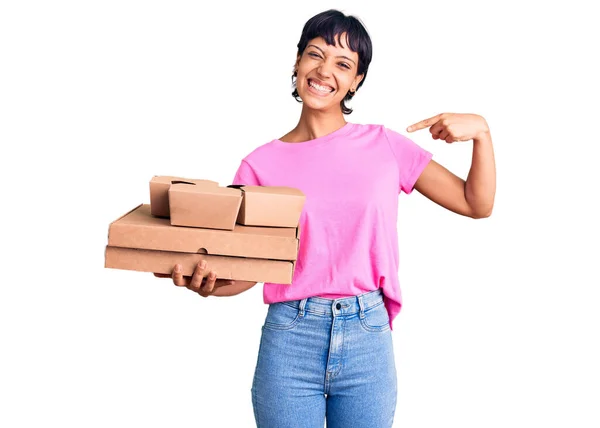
x=315 y=104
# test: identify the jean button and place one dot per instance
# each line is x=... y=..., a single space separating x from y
x=338 y=306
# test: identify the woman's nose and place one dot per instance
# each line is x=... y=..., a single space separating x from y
x=325 y=68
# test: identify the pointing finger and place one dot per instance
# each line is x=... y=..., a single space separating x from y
x=424 y=123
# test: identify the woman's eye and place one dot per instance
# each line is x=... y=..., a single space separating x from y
x=316 y=55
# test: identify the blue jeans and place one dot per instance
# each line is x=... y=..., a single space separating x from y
x=324 y=359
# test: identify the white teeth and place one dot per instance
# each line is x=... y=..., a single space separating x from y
x=319 y=87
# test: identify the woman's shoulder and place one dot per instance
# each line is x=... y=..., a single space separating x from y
x=371 y=131
x=369 y=126
x=260 y=151
x=380 y=129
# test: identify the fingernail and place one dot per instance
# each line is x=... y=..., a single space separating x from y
x=177 y=268
x=213 y=275
x=203 y=264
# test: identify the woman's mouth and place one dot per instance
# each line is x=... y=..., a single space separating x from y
x=317 y=89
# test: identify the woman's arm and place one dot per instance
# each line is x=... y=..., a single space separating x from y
x=475 y=196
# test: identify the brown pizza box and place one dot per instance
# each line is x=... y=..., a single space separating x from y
x=140 y=229
x=143 y=242
x=236 y=268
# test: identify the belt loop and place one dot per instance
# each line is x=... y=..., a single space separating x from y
x=362 y=306
x=302 y=305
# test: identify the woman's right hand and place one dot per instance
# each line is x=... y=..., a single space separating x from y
x=206 y=283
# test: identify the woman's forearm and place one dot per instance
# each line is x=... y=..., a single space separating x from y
x=480 y=187
x=234 y=289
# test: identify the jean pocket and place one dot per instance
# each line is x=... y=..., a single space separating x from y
x=281 y=316
x=376 y=319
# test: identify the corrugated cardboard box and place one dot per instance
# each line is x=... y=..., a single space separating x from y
x=206 y=206
x=139 y=229
x=244 y=253
x=270 y=206
x=237 y=268
x=159 y=188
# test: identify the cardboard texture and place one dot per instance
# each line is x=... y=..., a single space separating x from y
x=236 y=268
x=205 y=206
x=159 y=188
x=248 y=233
x=270 y=206
x=139 y=229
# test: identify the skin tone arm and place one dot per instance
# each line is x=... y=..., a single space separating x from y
x=474 y=197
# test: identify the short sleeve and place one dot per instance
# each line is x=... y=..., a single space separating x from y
x=245 y=175
x=410 y=158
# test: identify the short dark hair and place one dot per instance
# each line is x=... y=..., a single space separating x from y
x=329 y=25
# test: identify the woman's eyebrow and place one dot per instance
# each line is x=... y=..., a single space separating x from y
x=339 y=56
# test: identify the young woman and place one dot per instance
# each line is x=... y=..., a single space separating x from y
x=326 y=346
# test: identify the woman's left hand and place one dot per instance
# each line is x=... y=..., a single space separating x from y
x=453 y=127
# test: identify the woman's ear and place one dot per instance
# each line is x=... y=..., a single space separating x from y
x=297 y=63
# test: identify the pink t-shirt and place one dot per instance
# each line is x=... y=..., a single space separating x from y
x=348 y=226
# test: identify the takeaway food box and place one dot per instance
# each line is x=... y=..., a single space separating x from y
x=248 y=233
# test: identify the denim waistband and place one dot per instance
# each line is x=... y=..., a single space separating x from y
x=341 y=306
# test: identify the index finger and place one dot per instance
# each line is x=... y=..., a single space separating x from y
x=424 y=123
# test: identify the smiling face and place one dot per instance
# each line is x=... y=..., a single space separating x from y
x=326 y=73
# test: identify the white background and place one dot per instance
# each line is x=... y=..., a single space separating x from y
x=500 y=323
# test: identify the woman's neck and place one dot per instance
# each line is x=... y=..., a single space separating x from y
x=314 y=124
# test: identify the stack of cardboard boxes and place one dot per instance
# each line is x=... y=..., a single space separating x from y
x=247 y=233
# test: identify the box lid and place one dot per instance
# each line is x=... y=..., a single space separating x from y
x=159 y=187
x=168 y=180
x=275 y=190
